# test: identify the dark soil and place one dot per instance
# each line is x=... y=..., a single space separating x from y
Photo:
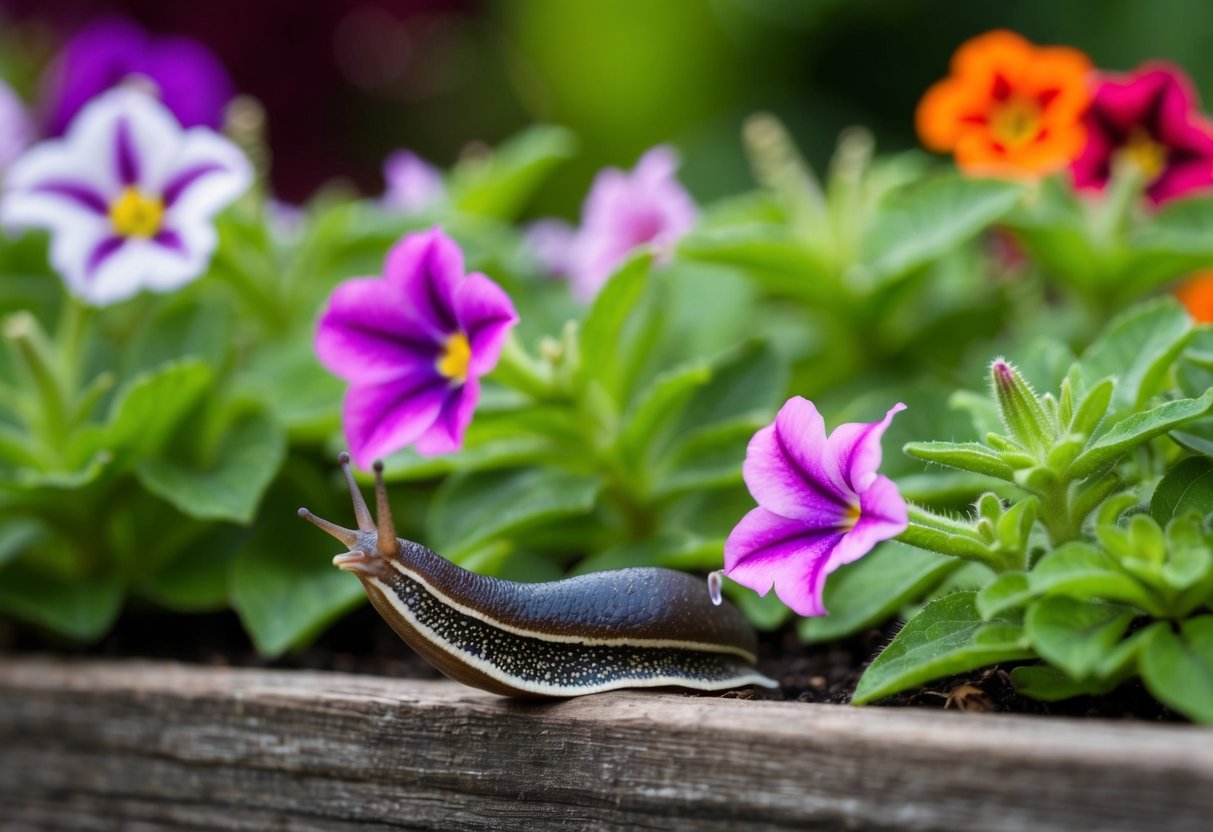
x=362 y=643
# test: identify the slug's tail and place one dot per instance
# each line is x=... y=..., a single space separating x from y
x=384 y=531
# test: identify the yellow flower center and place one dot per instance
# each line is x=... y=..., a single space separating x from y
x=1149 y=156
x=456 y=353
x=135 y=215
x=852 y=517
x=1015 y=122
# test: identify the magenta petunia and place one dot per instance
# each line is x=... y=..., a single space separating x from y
x=413 y=345
x=626 y=210
x=187 y=76
x=1152 y=118
x=820 y=504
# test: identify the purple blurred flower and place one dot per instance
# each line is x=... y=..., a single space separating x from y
x=1151 y=117
x=413 y=345
x=16 y=130
x=413 y=184
x=626 y=210
x=553 y=244
x=188 y=77
x=127 y=195
x=820 y=504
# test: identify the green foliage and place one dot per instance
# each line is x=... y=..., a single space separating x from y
x=155 y=452
x=1106 y=587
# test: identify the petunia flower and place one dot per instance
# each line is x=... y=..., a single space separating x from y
x=187 y=76
x=413 y=184
x=1008 y=108
x=1150 y=117
x=646 y=207
x=16 y=129
x=820 y=504
x=413 y=345
x=127 y=195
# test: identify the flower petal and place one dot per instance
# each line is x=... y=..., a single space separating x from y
x=852 y=453
x=445 y=436
x=882 y=515
x=427 y=267
x=486 y=314
x=207 y=173
x=145 y=140
x=382 y=418
x=766 y=550
x=368 y=334
x=783 y=470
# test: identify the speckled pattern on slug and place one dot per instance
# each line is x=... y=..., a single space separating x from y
x=563 y=664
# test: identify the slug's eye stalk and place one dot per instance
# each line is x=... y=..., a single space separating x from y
x=389 y=547
x=385 y=544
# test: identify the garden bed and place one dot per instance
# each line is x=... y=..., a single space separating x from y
x=97 y=744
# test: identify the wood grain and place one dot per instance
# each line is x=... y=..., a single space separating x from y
x=142 y=746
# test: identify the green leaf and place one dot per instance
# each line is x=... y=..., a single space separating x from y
x=1138 y=348
x=283 y=582
x=471 y=509
x=147 y=410
x=1075 y=635
x=1178 y=668
x=872 y=589
x=15 y=535
x=1050 y=684
x=500 y=185
x=923 y=222
x=1134 y=430
x=966 y=456
x=196 y=579
x=1006 y=592
x=603 y=326
x=769 y=255
x=82 y=609
x=231 y=487
x=1186 y=487
x=662 y=402
x=1082 y=571
x=946 y=637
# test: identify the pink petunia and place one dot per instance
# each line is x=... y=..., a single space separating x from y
x=413 y=345
x=624 y=211
x=1152 y=118
x=820 y=504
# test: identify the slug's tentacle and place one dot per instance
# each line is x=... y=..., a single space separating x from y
x=347 y=536
x=361 y=513
x=388 y=544
x=638 y=627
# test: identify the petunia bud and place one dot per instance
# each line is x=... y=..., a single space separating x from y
x=1021 y=412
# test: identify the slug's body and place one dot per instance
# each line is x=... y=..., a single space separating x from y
x=626 y=628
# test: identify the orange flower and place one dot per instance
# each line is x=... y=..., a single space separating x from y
x=1009 y=108
x=1196 y=294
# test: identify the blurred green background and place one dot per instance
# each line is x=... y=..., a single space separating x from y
x=347 y=81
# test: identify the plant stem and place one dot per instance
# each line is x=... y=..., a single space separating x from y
x=519 y=371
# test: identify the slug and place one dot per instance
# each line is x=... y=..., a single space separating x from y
x=639 y=627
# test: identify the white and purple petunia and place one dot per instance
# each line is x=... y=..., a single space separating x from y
x=413 y=345
x=128 y=196
x=820 y=504
x=623 y=211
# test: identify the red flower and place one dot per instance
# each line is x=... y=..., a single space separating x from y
x=1152 y=118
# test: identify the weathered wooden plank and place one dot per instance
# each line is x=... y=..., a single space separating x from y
x=138 y=745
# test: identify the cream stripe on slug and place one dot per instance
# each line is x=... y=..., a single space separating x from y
x=493 y=671
x=702 y=647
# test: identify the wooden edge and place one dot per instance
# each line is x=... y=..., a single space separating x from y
x=102 y=745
